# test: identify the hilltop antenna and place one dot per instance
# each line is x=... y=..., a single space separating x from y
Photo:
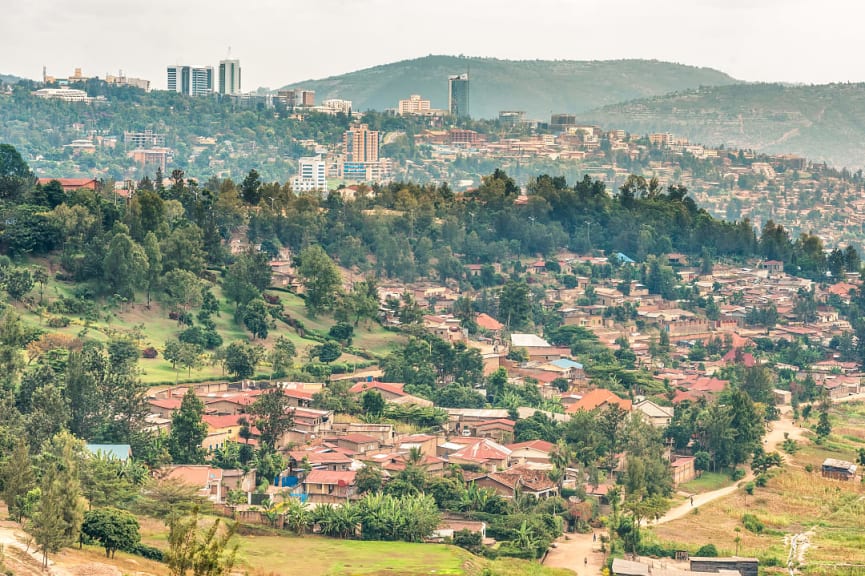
x=229 y=53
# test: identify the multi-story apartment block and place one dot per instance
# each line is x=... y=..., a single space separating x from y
x=414 y=104
x=229 y=77
x=311 y=175
x=191 y=80
x=360 y=144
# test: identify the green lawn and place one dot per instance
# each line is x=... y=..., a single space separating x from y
x=283 y=555
x=707 y=482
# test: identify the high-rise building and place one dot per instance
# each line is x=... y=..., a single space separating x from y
x=361 y=144
x=297 y=98
x=311 y=175
x=191 y=80
x=458 y=95
x=229 y=76
x=414 y=104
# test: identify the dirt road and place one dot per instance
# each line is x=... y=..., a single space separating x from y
x=577 y=552
x=774 y=439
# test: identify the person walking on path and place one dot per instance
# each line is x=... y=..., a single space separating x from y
x=692 y=500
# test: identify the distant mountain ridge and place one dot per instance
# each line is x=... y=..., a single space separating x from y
x=538 y=87
x=824 y=123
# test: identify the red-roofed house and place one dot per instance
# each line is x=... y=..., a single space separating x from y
x=326 y=487
x=388 y=390
x=529 y=480
x=72 y=184
x=537 y=451
x=485 y=453
x=487 y=322
x=737 y=356
x=598 y=398
x=501 y=430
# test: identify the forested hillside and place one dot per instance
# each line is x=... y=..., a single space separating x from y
x=823 y=123
x=537 y=87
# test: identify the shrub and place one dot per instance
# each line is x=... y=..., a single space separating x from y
x=149 y=352
x=707 y=551
x=761 y=480
x=149 y=552
x=737 y=474
x=749 y=488
x=270 y=298
x=752 y=524
x=469 y=540
x=58 y=322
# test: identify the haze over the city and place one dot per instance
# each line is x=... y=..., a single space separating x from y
x=277 y=43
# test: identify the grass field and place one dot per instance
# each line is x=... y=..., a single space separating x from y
x=707 y=482
x=283 y=555
x=794 y=501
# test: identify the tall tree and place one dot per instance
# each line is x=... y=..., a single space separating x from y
x=61 y=509
x=154 y=263
x=321 y=279
x=16 y=479
x=188 y=431
x=125 y=266
x=272 y=415
x=114 y=529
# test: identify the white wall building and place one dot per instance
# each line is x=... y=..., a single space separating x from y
x=229 y=76
x=312 y=175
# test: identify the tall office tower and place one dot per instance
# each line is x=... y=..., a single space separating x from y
x=229 y=76
x=458 y=95
x=361 y=144
x=191 y=80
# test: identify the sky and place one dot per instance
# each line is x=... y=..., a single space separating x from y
x=284 y=41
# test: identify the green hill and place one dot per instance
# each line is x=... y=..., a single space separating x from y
x=537 y=86
x=823 y=123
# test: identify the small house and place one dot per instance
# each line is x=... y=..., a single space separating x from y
x=838 y=469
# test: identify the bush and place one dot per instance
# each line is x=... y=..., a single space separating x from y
x=737 y=474
x=761 y=480
x=149 y=352
x=148 y=552
x=707 y=551
x=752 y=524
x=469 y=540
x=656 y=551
x=749 y=488
x=58 y=322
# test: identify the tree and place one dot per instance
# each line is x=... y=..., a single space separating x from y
x=281 y=356
x=514 y=305
x=125 y=266
x=154 y=263
x=114 y=529
x=321 y=279
x=181 y=290
x=107 y=481
x=241 y=359
x=250 y=188
x=328 y=352
x=18 y=282
x=369 y=479
x=205 y=552
x=247 y=277
x=255 y=318
x=188 y=431
x=16 y=479
x=272 y=416
x=372 y=402
x=60 y=510
x=824 y=426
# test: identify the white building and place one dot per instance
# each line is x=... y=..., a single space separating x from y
x=413 y=105
x=191 y=80
x=311 y=175
x=65 y=94
x=229 y=76
x=337 y=105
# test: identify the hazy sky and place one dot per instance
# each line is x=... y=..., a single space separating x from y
x=283 y=41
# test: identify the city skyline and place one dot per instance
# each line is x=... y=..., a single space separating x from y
x=795 y=41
